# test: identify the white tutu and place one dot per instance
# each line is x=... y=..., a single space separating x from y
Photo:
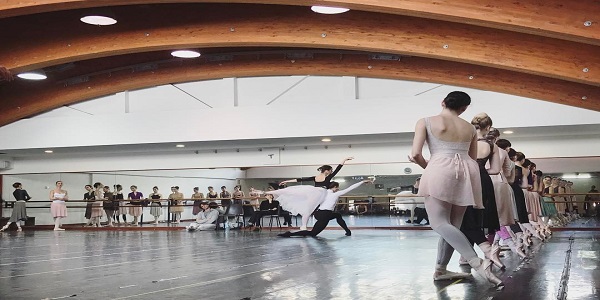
x=300 y=199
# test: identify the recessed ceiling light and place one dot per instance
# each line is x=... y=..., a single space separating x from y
x=185 y=53
x=328 y=10
x=33 y=75
x=326 y=140
x=98 y=20
x=507 y=132
x=180 y=146
x=49 y=151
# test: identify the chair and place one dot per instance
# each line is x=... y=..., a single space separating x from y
x=236 y=210
x=271 y=217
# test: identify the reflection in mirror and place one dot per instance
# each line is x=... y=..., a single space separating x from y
x=390 y=201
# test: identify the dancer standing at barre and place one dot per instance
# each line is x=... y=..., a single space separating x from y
x=19 y=212
x=450 y=182
x=58 y=207
x=302 y=199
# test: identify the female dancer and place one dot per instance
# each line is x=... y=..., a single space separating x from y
x=504 y=196
x=474 y=220
x=155 y=205
x=197 y=195
x=58 y=208
x=304 y=200
x=450 y=182
x=19 y=212
x=136 y=204
x=122 y=207
x=176 y=205
x=109 y=205
x=520 y=186
x=89 y=198
x=97 y=204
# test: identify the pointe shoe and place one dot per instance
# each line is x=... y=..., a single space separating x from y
x=491 y=253
x=19 y=229
x=484 y=269
x=3 y=228
x=449 y=275
x=494 y=256
x=303 y=228
x=59 y=229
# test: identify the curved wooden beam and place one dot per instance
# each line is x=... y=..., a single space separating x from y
x=551 y=18
x=26 y=99
x=40 y=41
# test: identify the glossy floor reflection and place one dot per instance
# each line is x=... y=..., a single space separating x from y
x=371 y=264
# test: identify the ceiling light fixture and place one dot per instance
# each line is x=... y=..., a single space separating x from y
x=185 y=54
x=508 y=132
x=33 y=75
x=48 y=151
x=328 y=10
x=98 y=20
x=180 y=146
x=326 y=140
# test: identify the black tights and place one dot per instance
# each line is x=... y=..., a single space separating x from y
x=471 y=225
x=116 y=217
x=323 y=217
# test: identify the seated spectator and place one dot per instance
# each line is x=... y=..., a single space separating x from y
x=267 y=207
x=206 y=218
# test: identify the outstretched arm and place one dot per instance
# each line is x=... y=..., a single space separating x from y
x=352 y=187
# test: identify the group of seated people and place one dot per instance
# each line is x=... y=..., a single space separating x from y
x=208 y=216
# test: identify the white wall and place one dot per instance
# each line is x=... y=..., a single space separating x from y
x=547 y=151
x=316 y=106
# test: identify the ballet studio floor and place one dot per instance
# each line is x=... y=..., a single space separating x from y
x=371 y=264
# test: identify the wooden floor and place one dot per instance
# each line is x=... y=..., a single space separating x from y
x=371 y=264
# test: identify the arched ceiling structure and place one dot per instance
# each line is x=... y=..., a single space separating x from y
x=546 y=50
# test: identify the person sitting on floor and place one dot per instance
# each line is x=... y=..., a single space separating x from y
x=206 y=218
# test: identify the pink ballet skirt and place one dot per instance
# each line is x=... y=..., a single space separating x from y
x=97 y=210
x=58 y=209
x=135 y=210
x=505 y=200
x=451 y=174
x=300 y=199
x=532 y=202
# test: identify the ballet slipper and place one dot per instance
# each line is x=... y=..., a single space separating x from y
x=491 y=253
x=449 y=275
x=483 y=267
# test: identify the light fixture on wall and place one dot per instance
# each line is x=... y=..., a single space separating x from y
x=48 y=151
x=33 y=75
x=180 y=146
x=326 y=140
x=577 y=176
x=328 y=10
x=508 y=132
x=185 y=53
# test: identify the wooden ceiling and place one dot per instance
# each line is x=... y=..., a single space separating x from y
x=537 y=49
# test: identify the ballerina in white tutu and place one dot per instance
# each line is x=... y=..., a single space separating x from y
x=304 y=199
